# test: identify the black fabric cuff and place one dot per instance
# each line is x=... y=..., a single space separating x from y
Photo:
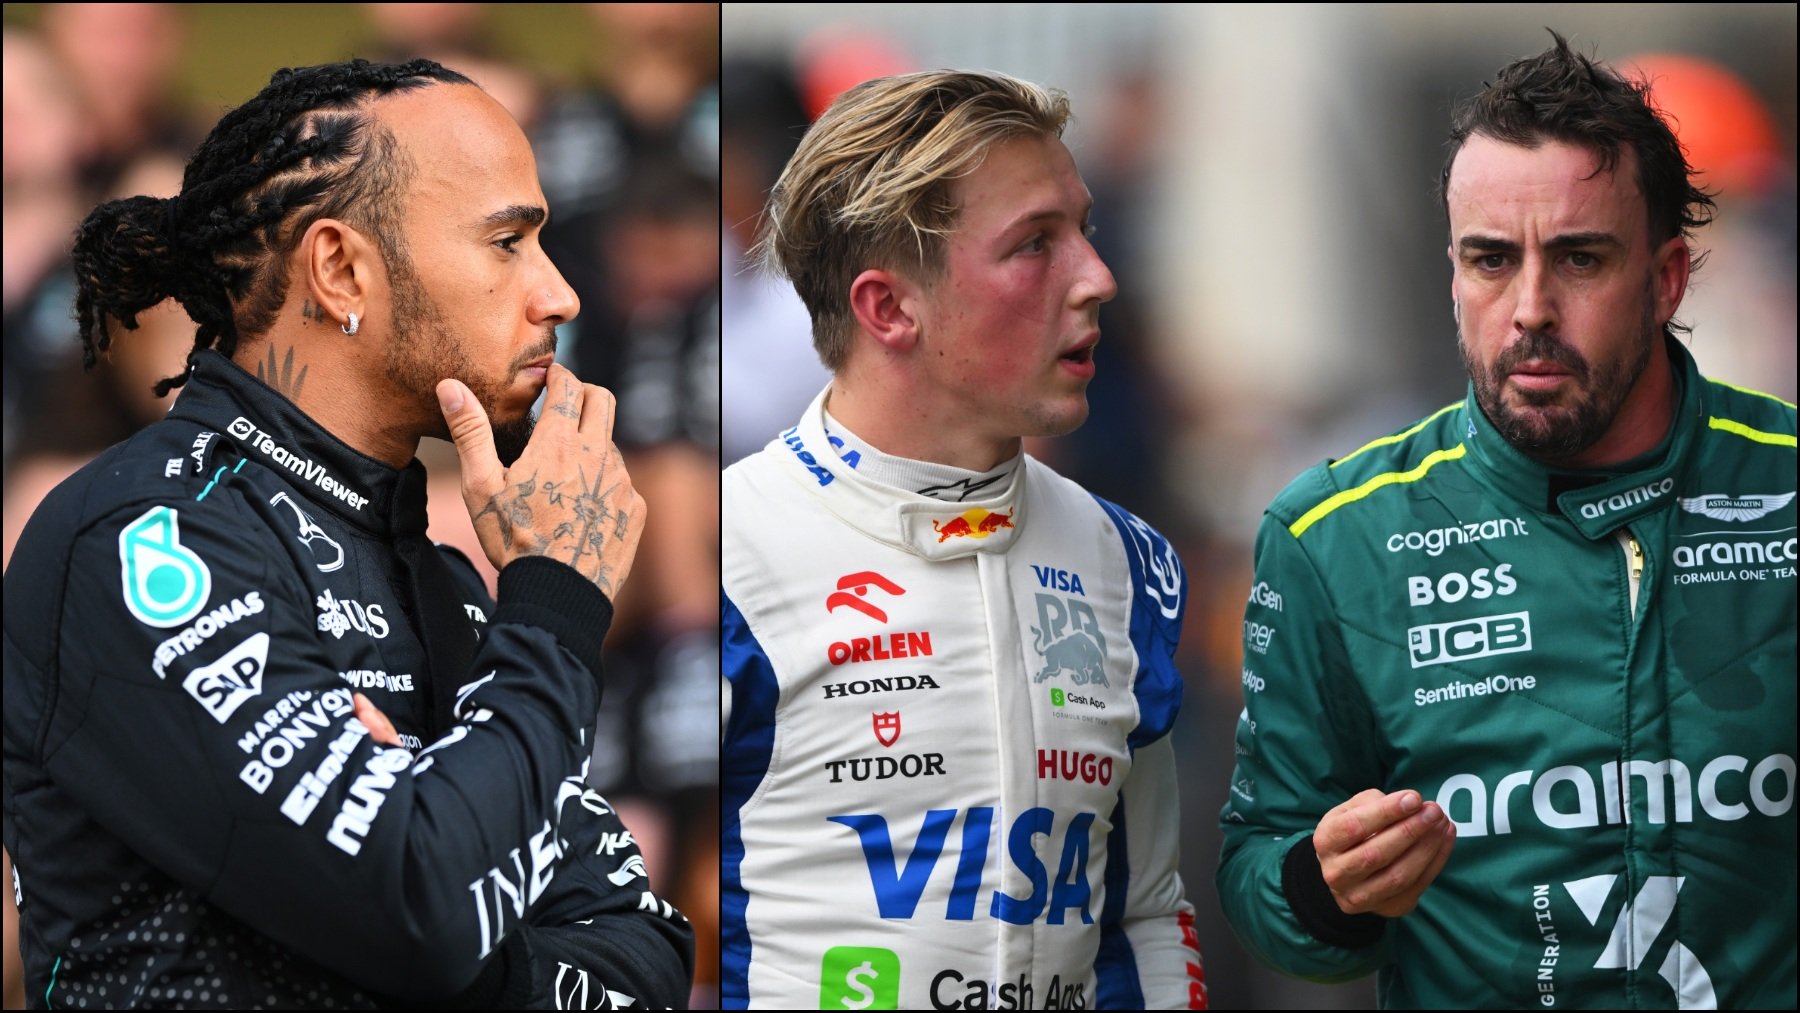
x=542 y=592
x=504 y=983
x=1303 y=883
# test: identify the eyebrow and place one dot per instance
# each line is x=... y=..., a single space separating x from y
x=1566 y=241
x=1049 y=215
x=525 y=215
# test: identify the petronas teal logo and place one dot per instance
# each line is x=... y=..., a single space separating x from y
x=165 y=584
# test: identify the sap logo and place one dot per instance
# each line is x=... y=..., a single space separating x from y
x=165 y=583
x=223 y=686
x=338 y=616
x=1058 y=580
x=1736 y=508
x=1668 y=794
x=203 y=630
x=1468 y=639
x=1262 y=594
x=899 y=887
x=884 y=684
x=1258 y=636
x=1020 y=993
x=884 y=648
x=795 y=444
x=1253 y=683
x=1625 y=500
x=1069 y=640
x=1687 y=557
x=1454 y=587
x=1069 y=765
x=881 y=768
x=367 y=792
x=304 y=798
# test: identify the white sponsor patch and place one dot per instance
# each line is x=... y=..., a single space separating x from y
x=1468 y=639
x=223 y=686
x=1721 y=507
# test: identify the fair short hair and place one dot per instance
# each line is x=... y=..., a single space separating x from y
x=869 y=186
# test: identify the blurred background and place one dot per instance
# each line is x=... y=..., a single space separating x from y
x=1264 y=181
x=621 y=104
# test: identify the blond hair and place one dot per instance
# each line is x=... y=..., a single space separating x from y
x=869 y=186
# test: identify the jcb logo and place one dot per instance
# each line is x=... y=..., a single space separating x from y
x=1467 y=639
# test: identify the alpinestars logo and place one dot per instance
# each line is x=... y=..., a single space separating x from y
x=1721 y=507
x=1636 y=930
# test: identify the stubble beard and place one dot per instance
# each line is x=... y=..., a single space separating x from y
x=424 y=352
x=1543 y=425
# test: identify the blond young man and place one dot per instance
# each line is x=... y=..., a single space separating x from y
x=949 y=670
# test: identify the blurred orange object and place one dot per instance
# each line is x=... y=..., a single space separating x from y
x=1725 y=126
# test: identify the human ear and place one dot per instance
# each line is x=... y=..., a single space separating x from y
x=339 y=265
x=1671 y=265
x=884 y=305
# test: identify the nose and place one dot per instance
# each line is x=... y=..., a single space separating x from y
x=553 y=302
x=1096 y=283
x=1535 y=305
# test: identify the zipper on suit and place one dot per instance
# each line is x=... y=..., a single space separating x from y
x=1634 y=565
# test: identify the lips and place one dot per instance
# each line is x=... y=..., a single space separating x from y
x=1083 y=351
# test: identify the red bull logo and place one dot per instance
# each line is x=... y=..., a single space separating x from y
x=972 y=523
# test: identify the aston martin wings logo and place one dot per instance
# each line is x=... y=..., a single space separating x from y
x=1721 y=507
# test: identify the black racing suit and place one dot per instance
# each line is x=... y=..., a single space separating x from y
x=194 y=814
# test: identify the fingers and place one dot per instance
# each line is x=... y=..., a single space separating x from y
x=562 y=399
x=1396 y=889
x=473 y=435
x=1366 y=814
x=1387 y=870
x=380 y=728
x=598 y=408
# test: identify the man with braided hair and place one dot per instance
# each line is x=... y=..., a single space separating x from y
x=264 y=744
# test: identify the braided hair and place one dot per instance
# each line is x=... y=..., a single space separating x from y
x=303 y=149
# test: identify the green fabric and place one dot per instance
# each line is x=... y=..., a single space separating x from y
x=1368 y=636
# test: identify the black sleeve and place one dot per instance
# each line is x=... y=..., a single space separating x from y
x=177 y=643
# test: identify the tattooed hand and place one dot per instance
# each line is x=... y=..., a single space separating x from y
x=567 y=496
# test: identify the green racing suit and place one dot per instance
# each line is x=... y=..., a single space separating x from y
x=1592 y=673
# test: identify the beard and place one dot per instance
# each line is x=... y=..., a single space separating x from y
x=1557 y=425
x=424 y=352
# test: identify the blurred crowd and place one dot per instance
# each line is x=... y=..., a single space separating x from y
x=1263 y=192
x=627 y=140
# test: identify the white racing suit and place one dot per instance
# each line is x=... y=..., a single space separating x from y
x=948 y=779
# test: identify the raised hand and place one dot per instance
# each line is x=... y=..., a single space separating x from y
x=1379 y=852
x=566 y=497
